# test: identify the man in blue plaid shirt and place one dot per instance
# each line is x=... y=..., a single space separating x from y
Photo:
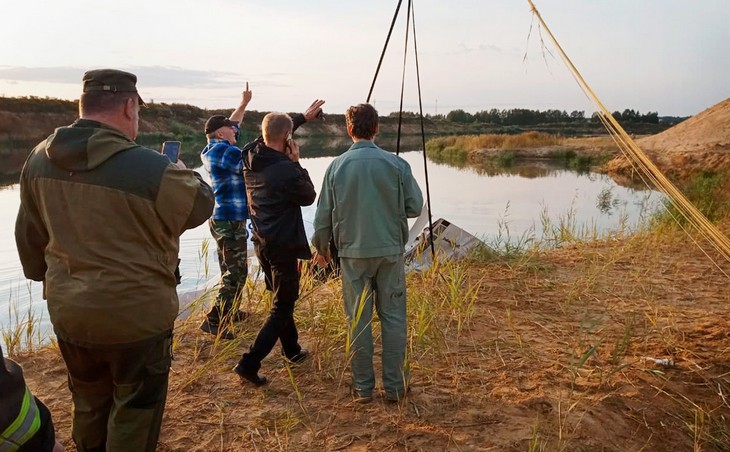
x=222 y=159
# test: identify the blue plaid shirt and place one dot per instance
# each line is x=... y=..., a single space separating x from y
x=224 y=163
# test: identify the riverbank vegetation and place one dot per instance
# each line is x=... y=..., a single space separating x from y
x=503 y=150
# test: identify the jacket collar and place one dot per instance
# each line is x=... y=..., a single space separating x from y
x=363 y=144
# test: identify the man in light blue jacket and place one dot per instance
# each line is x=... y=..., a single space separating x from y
x=366 y=197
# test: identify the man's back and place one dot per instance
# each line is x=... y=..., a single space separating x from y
x=110 y=213
x=373 y=193
x=367 y=196
x=277 y=187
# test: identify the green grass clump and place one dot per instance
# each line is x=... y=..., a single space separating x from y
x=706 y=190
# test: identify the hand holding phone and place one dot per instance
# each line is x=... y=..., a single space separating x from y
x=292 y=150
x=171 y=149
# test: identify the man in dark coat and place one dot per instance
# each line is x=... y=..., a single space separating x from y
x=277 y=186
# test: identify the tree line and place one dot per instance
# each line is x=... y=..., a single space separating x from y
x=507 y=117
x=526 y=117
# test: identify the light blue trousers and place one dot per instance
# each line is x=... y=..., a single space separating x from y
x=380 y=281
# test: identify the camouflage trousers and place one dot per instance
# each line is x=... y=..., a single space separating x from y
x=231 y=237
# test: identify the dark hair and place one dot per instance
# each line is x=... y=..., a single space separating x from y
x=362 y=119
x=100 y=101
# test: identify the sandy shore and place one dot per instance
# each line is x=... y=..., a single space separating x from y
x=553 y=355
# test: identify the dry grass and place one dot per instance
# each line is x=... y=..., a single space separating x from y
x=542 y=351
x=22 y=332
x=491 y=152
x=468 y=143
x=604 y=142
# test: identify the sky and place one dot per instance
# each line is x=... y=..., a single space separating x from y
x=669 y=56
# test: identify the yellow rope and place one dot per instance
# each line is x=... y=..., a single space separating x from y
x=641 y=163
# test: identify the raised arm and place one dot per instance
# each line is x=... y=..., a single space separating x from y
x=310 y=114
x=241 y=110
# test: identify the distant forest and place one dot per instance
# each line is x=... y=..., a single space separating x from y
x=34 y=117
x=512 y=117
x=526 y=117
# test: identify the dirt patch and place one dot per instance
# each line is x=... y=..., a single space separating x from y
x=699 y=143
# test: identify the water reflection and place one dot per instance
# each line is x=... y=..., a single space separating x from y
x=528 y=168
x=334 y=146
x=15 y=152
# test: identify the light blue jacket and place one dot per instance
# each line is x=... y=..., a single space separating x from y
x=366 y=197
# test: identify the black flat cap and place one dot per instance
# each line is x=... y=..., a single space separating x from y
x=111 y=80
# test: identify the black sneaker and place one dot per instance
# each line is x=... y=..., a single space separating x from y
x=251 y=377
x=299 y=357
x=216 y=330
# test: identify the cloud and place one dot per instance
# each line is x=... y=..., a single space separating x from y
x=43 y=74
x=462 y=49
x=148 y=76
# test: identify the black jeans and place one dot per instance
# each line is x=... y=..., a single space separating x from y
x=118 y=393
x=282 y=278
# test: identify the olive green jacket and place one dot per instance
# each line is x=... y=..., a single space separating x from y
x=367 y=196
x=99 y=223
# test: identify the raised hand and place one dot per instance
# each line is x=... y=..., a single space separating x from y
x=246 y=95
x=314 y=110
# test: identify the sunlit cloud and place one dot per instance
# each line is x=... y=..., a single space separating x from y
x=148 y=77
x=15 y=74
x=463 y=48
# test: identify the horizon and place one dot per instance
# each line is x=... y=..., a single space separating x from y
x=663 y=56
x=425 y=114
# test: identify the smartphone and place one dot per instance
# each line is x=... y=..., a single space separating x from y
x=171 y=149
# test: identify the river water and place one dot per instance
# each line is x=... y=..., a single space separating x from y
x=482 y=201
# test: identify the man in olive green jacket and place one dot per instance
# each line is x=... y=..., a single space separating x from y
x=99 y=223
x=366 y=197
